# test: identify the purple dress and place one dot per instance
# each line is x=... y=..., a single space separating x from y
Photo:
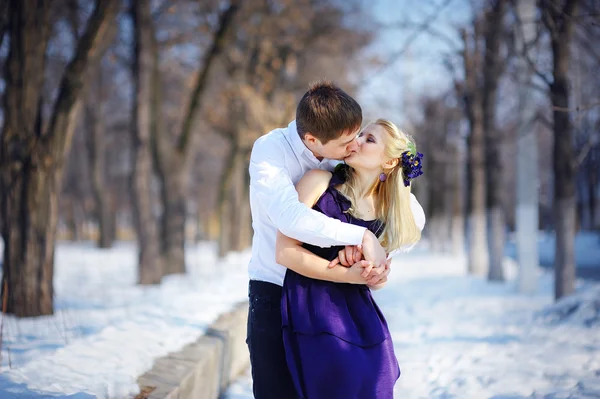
x=336 y=339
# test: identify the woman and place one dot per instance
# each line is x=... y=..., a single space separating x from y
x=336 y=338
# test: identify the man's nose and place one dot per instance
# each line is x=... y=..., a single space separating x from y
x=353 y=146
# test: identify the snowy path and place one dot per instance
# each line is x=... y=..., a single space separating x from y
x=106 y=330
x=455 y=336
x=461 y=337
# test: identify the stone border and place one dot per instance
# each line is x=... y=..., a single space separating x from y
x=202 y=369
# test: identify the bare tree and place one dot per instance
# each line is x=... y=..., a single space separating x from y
x=478 y=254
x=558 y=17
x=492 y=69
x=149 y=264
x=527 y=155
x=32 y=150
x=96 y=150
x=171 y=160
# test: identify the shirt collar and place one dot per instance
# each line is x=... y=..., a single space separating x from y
x=300 y=149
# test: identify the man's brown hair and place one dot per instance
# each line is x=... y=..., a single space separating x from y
x=327 y=112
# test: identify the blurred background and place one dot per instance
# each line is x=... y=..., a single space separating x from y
x=134 y=120
x=126 y=130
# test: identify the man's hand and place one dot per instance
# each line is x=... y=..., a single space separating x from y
x=348 y=256
x=372 y=249
x=378 y=276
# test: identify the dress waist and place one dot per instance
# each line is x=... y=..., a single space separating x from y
x=346 y=311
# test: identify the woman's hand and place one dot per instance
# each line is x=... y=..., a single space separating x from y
x=356 y=273
x=348 y=256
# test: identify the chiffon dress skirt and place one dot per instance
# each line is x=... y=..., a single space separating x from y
x=336 y=339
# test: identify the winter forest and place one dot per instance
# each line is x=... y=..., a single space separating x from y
x=129 y=124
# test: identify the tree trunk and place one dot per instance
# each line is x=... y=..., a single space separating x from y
x=31 y=160
x=97 y=153
x=170 y=160
x=28 y=191
x=173 y=219
x=105 y=209
x=458 y=212
x=437 y=208
x=245 y=223
x=493 y=169
x=149 y=266
x=478 y=255
x=527 y=218
x=170 y=169
x=225 y=202
x=242 y=204
x=561 y=24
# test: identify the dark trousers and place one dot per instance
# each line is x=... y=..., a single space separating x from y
x=270 y=375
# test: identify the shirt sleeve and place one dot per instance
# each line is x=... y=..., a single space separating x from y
x=272 y=186
x=418 y=212
x=419 y=216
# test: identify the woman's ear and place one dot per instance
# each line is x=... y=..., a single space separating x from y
x=392 y=163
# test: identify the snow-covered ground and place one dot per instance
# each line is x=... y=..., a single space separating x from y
x=106 y=331
x=587 y=251
x=461 y=337
x=456 y=336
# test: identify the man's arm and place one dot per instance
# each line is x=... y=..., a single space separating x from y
x=271 y=183
x=290 y=253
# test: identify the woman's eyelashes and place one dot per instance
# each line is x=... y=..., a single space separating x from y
x=370 y=139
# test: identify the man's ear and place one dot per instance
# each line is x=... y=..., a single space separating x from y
x=392 y=163
x=311 y=139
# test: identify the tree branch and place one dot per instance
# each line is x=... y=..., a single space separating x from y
x=72 y=81
x=181 y=38
x=542 y=118
x=423 y=26
x=429 y=29
x=591 y=142
x=579 y=108
x=225 y=21
x=164 y=6
x=3 y=20
x=527 y=46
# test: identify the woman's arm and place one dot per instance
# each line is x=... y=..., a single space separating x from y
x=291 y=254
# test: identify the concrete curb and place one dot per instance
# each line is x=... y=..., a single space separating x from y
x=202 y=369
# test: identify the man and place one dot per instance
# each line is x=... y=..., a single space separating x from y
x=327 y=123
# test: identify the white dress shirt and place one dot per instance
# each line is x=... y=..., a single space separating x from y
x=279 y=159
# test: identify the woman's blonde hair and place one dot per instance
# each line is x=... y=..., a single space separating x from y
x=392 y=197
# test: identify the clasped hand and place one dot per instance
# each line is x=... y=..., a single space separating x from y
x=352 y=257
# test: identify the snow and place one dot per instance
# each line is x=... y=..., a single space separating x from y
x=456 y=336
x=587 y=248
x=106 y=331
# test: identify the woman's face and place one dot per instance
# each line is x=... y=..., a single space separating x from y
x=370 y=152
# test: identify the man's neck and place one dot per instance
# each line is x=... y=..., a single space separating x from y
x=317 y=155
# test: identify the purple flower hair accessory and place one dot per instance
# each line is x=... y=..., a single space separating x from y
x=412 y=164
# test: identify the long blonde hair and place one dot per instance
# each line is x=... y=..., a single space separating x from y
x=392 y=198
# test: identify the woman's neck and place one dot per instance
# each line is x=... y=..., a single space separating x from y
x=366 y=182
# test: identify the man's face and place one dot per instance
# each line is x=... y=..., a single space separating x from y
x=339 y=148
